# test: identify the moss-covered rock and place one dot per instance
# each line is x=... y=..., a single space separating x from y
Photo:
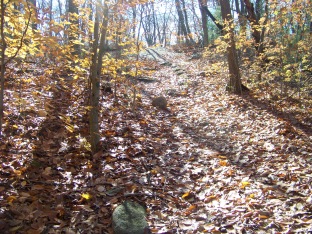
x=129 y=218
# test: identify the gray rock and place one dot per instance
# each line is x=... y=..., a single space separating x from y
x=172 y=92
x=147 y=79
x=129 y=218
x=201 y=73
x=220 y=109
x=165 y=64
x=196 y=56
x=160 y=102
x=177 y=69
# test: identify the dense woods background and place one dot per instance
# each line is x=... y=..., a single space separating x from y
x=71 y=85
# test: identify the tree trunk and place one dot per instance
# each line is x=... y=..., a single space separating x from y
x=74 y=26
x=188 y=30
x=102 y=38
x=3 y=48
x=182 y=31
x=205 y=9
x=204 y=22
x=149 y=23
x=98 y=50
x=234 y=85
x=34 y=25
x=155 y=24
x=257 y=34
x=50 y=15
x=3 y=61
x=240 y=9
x=60 y=7
x=253 y=19
x=95 y=88
x=134 y=14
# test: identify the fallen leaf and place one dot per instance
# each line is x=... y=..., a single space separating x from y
x=86 y=196
x=244 y=184
x=190 y=210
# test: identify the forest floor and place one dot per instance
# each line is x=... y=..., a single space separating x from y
x=211 y=163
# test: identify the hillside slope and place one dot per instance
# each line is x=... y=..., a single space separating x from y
x=211 y=162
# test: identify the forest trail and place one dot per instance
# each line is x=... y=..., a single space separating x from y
x=212 y=163
x=229 y=151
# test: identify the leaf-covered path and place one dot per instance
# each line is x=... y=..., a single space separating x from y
x=211 y=163
x=239 y=167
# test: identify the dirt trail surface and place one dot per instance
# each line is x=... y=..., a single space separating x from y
x=240 y=166
x=211 y=163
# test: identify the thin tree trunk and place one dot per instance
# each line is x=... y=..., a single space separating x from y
x=195 y=20
x=74 y=26
x=3 y=48
x=34 y=25
x=50 y=15
x=154 y=24
x=257 y=34
x=188 y=30
x=164 y=29
x=255 y=23
x=205 y=9
x=134 y=13
x=181 y=24
x=204 y=22
x=240 y=9
x=102 y=39
x=95 y=88
x=234 y=85
x=60 y=7
x=98 y=49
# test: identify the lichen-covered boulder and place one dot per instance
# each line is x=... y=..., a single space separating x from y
x=129 y=218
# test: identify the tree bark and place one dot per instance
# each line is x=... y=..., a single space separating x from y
x=34 y=25
x=95 y=88
x=98 y=50
x=50 y=16
x=257 y=34
x=182 y=31
x=205 y=9
x=204 y=22
x=240 y=9
x=255 y=25
x=235 y=84
x=3 y=48
x=149 y=23
x=188 y=30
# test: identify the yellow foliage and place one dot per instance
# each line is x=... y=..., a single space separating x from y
x=244 y=184
x=86 y=196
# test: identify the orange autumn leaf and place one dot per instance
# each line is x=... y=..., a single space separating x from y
x=210 y=198
x=186 y=195
x=11 y=199
x=222 y=157
x=190 y=210
x=223 y=163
